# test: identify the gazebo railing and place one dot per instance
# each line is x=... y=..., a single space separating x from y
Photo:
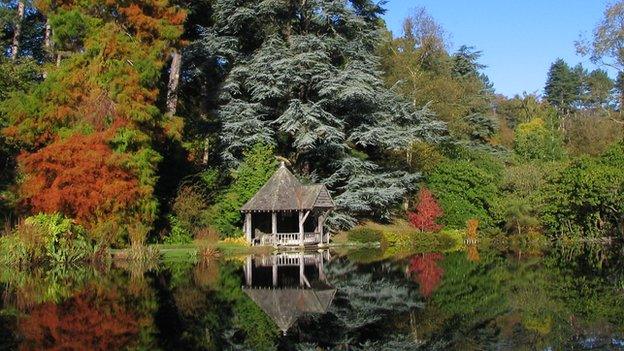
x=291 y=238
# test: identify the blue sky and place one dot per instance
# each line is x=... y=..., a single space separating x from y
x=519 y=38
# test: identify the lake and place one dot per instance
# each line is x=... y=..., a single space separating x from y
x=475 y=300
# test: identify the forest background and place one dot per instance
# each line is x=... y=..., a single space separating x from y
x=154 y=121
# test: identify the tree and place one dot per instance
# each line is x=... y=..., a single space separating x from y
x=563 y=86
x=106 y=83
x=304 y=77
x=538 y=140
x=419 y=66
x=424 y=218
x=605 y=47
x=599 y=90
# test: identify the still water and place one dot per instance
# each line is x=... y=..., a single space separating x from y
x=316 y=301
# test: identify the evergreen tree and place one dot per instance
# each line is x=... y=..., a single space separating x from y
x=563 y=86
x=303 y=76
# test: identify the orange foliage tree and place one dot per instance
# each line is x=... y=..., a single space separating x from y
x=427 y=212
x=112 y=54
x=80 y=177
x=425 y=271
x=87 y=321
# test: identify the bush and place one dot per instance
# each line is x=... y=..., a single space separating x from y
x=190 y=210
x=402 y=238
x=179 y=234
x=46 y=239
x=536 y=140
x=464 y=191
x=364 y=235
x=585 y=198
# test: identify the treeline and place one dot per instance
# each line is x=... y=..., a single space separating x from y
x=156 y=120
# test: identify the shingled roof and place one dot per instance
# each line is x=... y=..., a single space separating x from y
x=286 y=305
x=284 y=192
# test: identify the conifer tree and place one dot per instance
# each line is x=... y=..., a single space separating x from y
x=304 y=77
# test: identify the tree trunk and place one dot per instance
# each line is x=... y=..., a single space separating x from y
x=18 y=30
x=174 y=82
x=48 y=37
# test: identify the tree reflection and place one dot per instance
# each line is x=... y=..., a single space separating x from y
x=91 y=319
x=425 y=271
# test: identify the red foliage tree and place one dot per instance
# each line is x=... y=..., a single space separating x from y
x=87 y=321
x=80 y=177
x=427 y=212
x=425 y=271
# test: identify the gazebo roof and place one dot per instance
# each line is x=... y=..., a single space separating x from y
x=284 y=192
x=285 y=305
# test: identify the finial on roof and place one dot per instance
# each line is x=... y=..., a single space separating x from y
x=283 y=161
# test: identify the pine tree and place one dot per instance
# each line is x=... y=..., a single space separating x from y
x=563 y=86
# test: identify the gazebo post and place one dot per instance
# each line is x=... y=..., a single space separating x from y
x=274 y=270
x=319 y=226
x=301 y=228
x=248 y=226
x=274 y=226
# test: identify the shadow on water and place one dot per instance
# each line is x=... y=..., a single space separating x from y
x=467 y=300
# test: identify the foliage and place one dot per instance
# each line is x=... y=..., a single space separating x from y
x=102 y=95
x=257 y=167
x=47 y=239
x=562 y=86
x=401 y=239
x=537 y=140
x=179 y=234
x=586 y=197
x=464 y=192
x=427 y=211
x=190 y=210
x=365 y=235
x=419 y=65
x=80 y=177
x=306 y=80
x=591 y=133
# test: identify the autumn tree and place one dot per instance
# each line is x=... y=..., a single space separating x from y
x=102 y=97
x=80 y=177
x=425 y=216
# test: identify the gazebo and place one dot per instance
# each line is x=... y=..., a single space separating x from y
x=286 y=212
x=289 y=285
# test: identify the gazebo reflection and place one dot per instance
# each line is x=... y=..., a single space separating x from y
x=288 y=285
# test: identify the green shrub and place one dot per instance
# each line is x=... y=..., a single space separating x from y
x=257 y=167
x=46 y=238
x=403 y=239
x=190 y=210
x=179 y=234
x=464 y=191
x=364 y=235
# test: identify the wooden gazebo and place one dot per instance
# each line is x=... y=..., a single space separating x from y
x=289 y=285
x=286 y=212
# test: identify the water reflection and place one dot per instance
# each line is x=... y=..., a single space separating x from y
x=289 y=285
x=325 y=302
